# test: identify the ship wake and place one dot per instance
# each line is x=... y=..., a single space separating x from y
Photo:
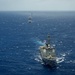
x=59 y=59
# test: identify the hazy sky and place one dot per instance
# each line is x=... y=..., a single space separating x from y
x=35 y=5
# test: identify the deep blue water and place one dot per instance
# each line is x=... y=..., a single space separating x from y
x=20 y=40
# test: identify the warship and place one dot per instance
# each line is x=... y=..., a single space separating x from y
x=30 y=19
x=48 y=54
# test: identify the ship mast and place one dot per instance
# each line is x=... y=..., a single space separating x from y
x=48 y=39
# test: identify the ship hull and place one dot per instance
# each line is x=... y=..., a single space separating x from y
x=48 y=57
x=49 y=62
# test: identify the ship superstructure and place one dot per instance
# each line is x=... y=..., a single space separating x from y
x=48 y=53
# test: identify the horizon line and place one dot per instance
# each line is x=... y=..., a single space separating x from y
x=37 y=10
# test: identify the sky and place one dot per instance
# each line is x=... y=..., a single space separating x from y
x=37 y=5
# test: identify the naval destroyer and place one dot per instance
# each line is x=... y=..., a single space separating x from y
x=48 y=53
x=30 y=19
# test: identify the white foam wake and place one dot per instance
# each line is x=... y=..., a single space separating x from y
x=60 y=59
x=38 y=59
x=38 y=41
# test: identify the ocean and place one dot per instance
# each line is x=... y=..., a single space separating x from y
x=20 y=41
